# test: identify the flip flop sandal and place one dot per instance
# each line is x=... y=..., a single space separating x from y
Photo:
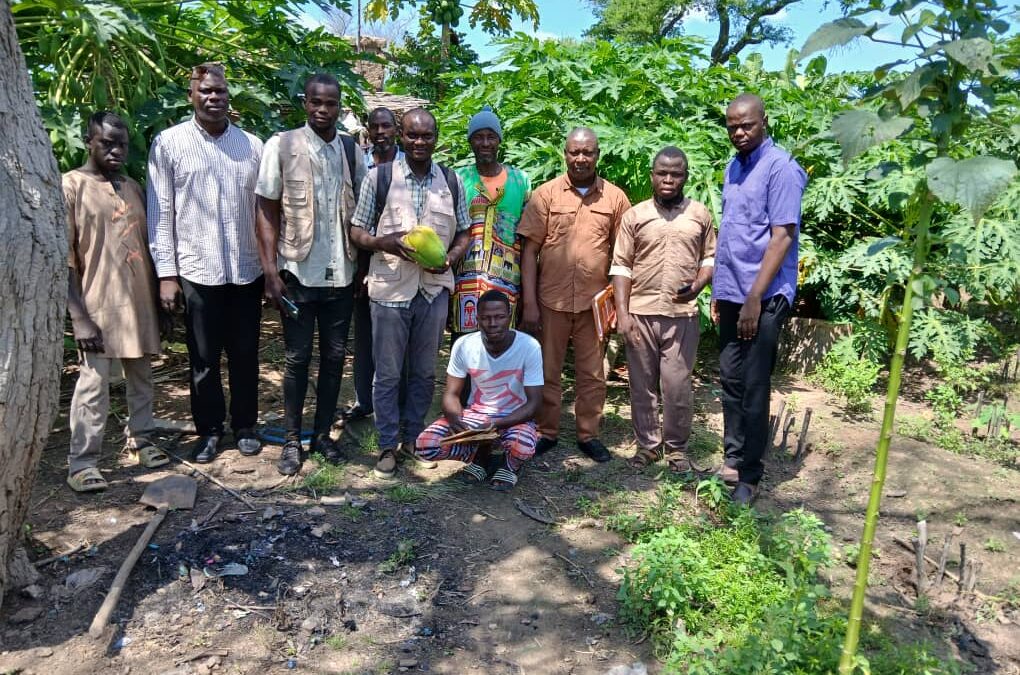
x=643 y=457
x=87 y=480
x=503 y=480
x=679 y=463
x=473 y=474
x=149 y=456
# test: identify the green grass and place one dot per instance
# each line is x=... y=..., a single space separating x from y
x=404 y=555
x=325 y=477
x=406 y=494
x=338 y=642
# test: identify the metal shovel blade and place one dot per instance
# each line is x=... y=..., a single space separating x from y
x=173 y=492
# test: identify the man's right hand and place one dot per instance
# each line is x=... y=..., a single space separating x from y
x=274 y=290
x=714 y=312
x=393 y=244
x=531 y=318
x=628 y=328
x=456 y=423
x=169 y=294
x=87 y=335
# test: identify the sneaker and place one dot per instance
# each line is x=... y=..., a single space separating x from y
x=291 y=458
x=386 y=467
x=595 y=449
x=248 y=444
x=744 y=494
x=328 y=448
x=544 y=445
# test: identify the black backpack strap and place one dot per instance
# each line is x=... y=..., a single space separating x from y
x=350 y=148
x=383 y=177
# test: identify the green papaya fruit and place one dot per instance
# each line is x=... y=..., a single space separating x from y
x=429 y=250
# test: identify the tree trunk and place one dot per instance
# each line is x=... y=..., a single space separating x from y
x=33 y=289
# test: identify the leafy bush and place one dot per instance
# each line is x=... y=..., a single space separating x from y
x=845 y=373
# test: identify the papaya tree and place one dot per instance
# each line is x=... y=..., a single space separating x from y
x=948 y=80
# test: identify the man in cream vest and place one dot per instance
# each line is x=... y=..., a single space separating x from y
x=306 y=197
x=409 y=303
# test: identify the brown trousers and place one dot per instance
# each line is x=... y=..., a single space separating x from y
x=558 y=330
x=662 y=360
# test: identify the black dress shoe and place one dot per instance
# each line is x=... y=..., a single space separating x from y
x=744 y=494
x=291 y=458
x=206 y=449
x=544 y=445
x=356 y=412
x=248 y=443
x=328 y=448
x=595 y=449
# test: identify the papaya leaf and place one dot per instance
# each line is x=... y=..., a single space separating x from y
x=972 y=183
x=836 y=34
x=882 y=244
x=974 y=53
x=858 y=130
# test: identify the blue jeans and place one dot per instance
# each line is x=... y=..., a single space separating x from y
x=413 y=333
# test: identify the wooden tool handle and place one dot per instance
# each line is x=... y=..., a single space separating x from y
x=98 y=626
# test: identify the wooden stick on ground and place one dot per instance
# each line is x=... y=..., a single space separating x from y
x=774 y=429
x=802 y=440
x=963 y=565
x=577 y=568
x=943 y=559
x=237 y=495
x=53 y=558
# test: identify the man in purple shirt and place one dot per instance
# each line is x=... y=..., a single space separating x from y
x=754 y=284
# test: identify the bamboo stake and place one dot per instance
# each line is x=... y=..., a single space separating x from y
x=802 y=441
x=776 y=422
x=943 y=559
x=963 y=565
x=853 y=630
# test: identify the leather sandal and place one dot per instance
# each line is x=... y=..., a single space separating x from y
x=149 y=456
x=87 y=480
x=643 y=457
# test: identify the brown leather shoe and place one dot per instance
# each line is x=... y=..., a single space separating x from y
x=729 y=475
x=386 y=467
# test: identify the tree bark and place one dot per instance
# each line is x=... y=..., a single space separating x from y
x=33 y=269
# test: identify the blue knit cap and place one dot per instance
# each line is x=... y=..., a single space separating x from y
x=486 y=119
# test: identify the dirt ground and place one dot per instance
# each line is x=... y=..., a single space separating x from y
x=346 y=573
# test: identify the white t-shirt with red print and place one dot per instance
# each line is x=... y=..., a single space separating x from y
x=497 y=383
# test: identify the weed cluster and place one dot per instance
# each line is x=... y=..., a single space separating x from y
x=845 y=373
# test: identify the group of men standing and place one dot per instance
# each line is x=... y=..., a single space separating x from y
x=318 y=228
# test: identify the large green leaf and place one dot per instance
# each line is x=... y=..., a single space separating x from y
x=858 y=130
x=836 y=34
x=972 y=183
x=974 y=53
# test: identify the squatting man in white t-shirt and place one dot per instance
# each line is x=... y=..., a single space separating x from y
x=505 y=367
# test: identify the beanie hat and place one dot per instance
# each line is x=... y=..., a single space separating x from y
x=486 y=119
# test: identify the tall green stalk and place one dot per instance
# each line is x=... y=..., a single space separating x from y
x=853 y=633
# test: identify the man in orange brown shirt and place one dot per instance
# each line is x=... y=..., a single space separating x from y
x=664 y=256
x=569 y=227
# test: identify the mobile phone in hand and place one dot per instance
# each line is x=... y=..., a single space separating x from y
x=289 y=307
x=685 y=289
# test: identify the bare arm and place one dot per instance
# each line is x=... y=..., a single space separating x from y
x=621 y=294
x=531 y=317
x=775 y=253
x=452 y=408
x=526 y=412
x=87 y=334
x=267 y=230
x=390 y=243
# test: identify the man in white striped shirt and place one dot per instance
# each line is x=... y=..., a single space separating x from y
x=201 y=214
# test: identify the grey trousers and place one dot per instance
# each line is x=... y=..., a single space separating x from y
x=415 y=333
x=664 y=359
x=90 y=407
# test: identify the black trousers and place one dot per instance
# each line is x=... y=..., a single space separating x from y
x=223 y=318
x=745 y=368
x=329 y=308
x=364 y=364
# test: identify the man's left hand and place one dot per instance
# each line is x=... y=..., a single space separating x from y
x=747 y=320
x=690 y=295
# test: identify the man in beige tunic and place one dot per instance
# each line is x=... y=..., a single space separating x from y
x=111 y=300
x=663 y=258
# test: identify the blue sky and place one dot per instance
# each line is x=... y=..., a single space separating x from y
x=570 y=18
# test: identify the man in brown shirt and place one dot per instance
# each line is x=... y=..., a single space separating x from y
x=663 y=258
x=569 y=227
x=111 y=300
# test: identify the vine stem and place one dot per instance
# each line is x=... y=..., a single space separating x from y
x=848 y=661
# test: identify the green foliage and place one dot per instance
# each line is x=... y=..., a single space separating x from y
x=846 y=373
x=406 y=494
x=418 y=67
x=134 y=57
x=404 y=555
x=325 y=477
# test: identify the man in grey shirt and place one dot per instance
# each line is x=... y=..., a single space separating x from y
x=201 y=217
